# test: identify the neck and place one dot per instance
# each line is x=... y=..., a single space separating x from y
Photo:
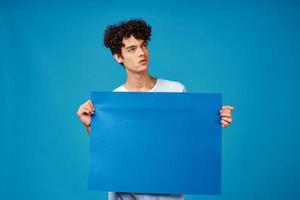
x=139 y=82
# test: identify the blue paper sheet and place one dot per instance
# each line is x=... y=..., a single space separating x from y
x=166 y=143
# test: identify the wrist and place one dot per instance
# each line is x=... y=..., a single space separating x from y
x=88 y=128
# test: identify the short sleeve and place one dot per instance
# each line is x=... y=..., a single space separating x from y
x=184 y=89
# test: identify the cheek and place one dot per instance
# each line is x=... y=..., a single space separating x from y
x=129 y=60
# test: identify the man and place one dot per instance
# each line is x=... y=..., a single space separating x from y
x=128 y=42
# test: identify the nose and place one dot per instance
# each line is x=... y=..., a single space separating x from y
x=140 y=52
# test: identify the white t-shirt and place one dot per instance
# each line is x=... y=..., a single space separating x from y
x=161 y=85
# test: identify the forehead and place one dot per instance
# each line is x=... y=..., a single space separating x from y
x=132 y=41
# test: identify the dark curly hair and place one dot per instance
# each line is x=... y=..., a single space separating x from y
x=114 y=34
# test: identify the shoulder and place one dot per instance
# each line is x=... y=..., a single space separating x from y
x=170 y=86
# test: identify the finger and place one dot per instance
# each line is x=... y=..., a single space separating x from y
x=227 y=119
x=85 y=111
x=224 y=122
x=225 y=114
x=89 y=109
x=81 y=111
x=228 y=107
x=226 y=110
x=89 y=106
x=90 y=103
x=224 y=126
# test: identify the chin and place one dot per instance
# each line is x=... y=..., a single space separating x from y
x=138 y=68
x=141 y=68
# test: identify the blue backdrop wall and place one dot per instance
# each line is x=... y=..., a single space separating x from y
x=52 y=56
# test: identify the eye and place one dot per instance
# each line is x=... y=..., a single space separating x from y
x=131 y=50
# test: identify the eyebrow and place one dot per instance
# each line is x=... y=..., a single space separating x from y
x=130 y=46
x=135 y=45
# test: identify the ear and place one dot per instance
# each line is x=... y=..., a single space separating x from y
x=118 y=58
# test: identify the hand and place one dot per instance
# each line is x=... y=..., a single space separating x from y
x=85 y=111
x=226 y=115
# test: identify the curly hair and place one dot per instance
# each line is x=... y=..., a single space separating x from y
x=114 y=34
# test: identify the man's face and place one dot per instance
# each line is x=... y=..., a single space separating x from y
x=135 y=55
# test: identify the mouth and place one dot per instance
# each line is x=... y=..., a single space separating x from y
x=143 y=61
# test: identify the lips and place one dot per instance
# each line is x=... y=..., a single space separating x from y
x=144 y=60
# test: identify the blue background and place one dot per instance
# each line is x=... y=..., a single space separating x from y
x=52 y=56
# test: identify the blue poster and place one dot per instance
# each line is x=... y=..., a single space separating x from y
x=164 y=143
